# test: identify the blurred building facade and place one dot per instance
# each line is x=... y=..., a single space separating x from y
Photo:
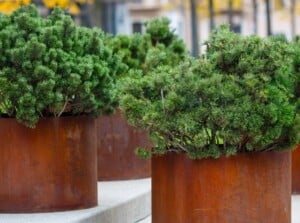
x=245 y=16
x=128 y=16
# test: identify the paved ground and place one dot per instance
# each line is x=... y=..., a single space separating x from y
x=296 y=209
x=119 y=202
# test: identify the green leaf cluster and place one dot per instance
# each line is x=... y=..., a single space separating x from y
x=141 y=53
x=51 y=67
x=296 y=66
x=158 y=46
x=238 y=97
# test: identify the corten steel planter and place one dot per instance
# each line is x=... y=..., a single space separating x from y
x=49 y=168
x=245 y=188
x=116 y=144
x=296 y=170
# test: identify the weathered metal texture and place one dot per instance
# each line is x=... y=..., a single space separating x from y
x=296 y=170
x=245 y=188
x=116 y=144
x=49 y=168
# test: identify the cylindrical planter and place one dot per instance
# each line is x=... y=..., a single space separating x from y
x=243 y=188
x=296 y=170
x=49 y=168
x=116 y=143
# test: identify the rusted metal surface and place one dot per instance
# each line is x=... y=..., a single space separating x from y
x=296 y=170
x=49 y=168
x=246 y=188
x=116 y=144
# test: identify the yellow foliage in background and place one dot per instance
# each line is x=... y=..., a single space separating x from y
x=8 y=6
x=219 y=6
x=67 y=4
x=203 y=6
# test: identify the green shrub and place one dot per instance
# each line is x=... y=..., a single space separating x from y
x=50 y=67
x=296 y=66
x=141 y=53
x=238 y=97
x=158 y=46
x=132 y=49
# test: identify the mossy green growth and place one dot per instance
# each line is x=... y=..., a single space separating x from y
x=238 y=97
x=51 y=67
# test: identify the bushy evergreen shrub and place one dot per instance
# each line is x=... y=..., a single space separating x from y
x=296 y=65
x=51 y=67
x=238 y=97
x=158 y=46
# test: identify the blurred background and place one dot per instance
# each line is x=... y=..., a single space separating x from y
x=192 y=20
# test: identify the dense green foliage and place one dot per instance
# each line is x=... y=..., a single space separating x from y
x=296 y=65
x=238 y=97
x=158 y=46
x=50 y=67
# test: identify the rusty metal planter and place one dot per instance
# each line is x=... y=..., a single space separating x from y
x=49 y=168
x=116 y=144
x=296 y=170
x=244 y=188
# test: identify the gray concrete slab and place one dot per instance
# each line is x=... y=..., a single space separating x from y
x=119 y=202
x=146 y=220
x=296 y=209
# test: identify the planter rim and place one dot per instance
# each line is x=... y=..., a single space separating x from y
x=250 y=153
x=52 y=117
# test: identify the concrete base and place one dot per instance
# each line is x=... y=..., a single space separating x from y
x=119 y=202
x=296 y=209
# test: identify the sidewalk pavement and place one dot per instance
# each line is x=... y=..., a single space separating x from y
x=296 y=209
x=119 y=202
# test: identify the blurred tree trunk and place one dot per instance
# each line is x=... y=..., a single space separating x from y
x=96 y=13
x=255 y=11
x=211 y=14
x=293 y=18
x=37 y=2
x=194 y=20
x=85 y=15
x=230 y=13
x=268 y=14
